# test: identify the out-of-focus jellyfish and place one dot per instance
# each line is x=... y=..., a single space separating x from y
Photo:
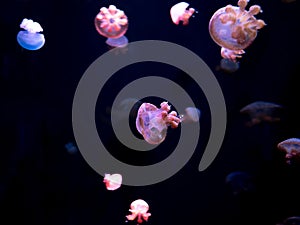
x=153 y=123
x=179 y=12
x=260 y=111
x=293 y=220
x=71 y=148
x=291 y=147
x=112 y=23
x=30 y=38
x=139 y=209
x=192 y=114
x=234 y=28
x=112 y=181
x=229 y=66
x=288 y=1
x=240 y=182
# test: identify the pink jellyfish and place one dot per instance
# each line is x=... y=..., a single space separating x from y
x=153 y=123
x=139 y=208
x=112 y=23
x=179 y=12
x=234 y=28
x=112 y=181
x=291 y=147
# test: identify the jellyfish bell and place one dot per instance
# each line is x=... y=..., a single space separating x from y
x=112 y=181
x=291 y=148
x=229 y=66
x=112 y=23
x=30 y=38
x=192 y=114
x=139 y=209
x=180 y=13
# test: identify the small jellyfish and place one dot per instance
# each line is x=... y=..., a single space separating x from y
x=192 y=114
x=179 y=12
x=139 y=208
x=112 y=181
x=234 y=28
x=291 y=147
x=112 y=23
x=260 y=111
x=71 y=148
x=229 y=66
x=153 y=123
x=30 y=38
x=240 y=182
x=293 y=220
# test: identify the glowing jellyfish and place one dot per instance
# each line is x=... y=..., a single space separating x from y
x=234 y=28
x=291 y=147
x=153 y=123
x=112 y=23
x=179 y=12
x=30 y=38
x=261 y=111
x=112 y=181
x=139 y=209
x=192 y=114
x=240 y=182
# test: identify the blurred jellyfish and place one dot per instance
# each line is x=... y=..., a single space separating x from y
x=112 y=23
x=30 y=38
x=153 y=123
x=123 y=110
x=139 y=208
x=234 y=28
x=192 y=114
x=293 y=220
x=229 y=66
x=261 y=111
x=112 y=181
x=71 y=148
x=240 y=182
x=291 y=147
x=179 y=12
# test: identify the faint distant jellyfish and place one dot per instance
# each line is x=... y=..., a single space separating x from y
x=112 y=23
x=293 y=220
x=192 y=114
x=291 y=147
x=240 y=182
x=30 y=38
x=179 y=12
x=153 y=123
x=261 y=111
x=234 y=28
x=139 y=209
x=112 y=181
x=229 y=66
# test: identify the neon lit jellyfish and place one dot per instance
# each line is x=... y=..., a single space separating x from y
x=291 y=147
x=139 y=209
x=112 y=181
x=30 y=38
x=192 y=114
x=153 y=123
x=112 y=23
x=234 y=28
x=240 y=182
x=260 y=111
x=179 y=12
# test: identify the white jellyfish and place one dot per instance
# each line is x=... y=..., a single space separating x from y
x=179 y=12
x=112 y=181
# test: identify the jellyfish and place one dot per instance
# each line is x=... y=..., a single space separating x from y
x=234 y=28
x=240 y=182
x=112 y=23
x=191 y=114
x=179 y=12
x=229 y=66
x=153 y=123
x=30 y=38
x=293 y=220
x=112 y=181
x=139 y=208
x=291 y=147
x=260 y=111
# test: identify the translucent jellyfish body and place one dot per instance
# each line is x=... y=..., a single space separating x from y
x=153 y=123
x=191 y=114
x=112 y=23
x=180 y=13
x=234 y=28
x=30 y=38
x=139 y=209
x=291 y=148
x=112 y=181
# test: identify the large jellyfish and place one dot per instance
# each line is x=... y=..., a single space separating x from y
x=291 y=147
x=234 y=28
x=153 y=123
x=30 y=38
x=112 y=23
x=179 y=12
x=260 y=111
x=112 y=181
x=139 y=209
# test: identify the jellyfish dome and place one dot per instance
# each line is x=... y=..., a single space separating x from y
x=30 y=38
x=179 y=12
x=234 y=28
x=112 y=23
